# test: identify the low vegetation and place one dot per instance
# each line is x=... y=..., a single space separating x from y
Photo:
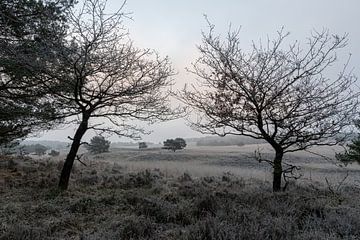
x=352 y=153
x=143 y=145
x=106 y=201
x=174 y=144
x=98 y=144
x=15 y=148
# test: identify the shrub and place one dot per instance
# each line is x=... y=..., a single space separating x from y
x=142 y=145
x=205 y=205
x=352 y=154
x=54 y=153
x=40 y=149
x=136 y=227
x=174 y=144
x=157 y=209
x=98 y=144
x=141 y=179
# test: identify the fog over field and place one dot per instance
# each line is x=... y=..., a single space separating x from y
x=238 y=160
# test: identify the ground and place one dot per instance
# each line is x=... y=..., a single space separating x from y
x=199 y=193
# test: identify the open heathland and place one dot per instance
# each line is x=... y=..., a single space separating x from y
x=110 y=199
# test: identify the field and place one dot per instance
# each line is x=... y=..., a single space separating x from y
x=196 y=193
x=237 y=160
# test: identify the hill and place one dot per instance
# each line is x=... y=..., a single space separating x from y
x=223 y=141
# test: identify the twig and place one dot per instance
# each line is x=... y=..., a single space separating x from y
x=339 y=185
x=259 y=158
x=78 y=157
x=331 y=160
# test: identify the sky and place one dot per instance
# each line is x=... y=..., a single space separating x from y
x=173 y=28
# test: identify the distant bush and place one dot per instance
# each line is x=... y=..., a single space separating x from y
x=142 y=145
x=40 y=149
x=352 y=153
x=174 y=144
x=37 y=149
x=54 y=153
x=9 y=148
x=98 y=144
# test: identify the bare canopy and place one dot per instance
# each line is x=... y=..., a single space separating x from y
x=278 y=94
x=103 y=76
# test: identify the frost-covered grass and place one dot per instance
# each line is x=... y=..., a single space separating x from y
x=240 y=161
x=106 y=201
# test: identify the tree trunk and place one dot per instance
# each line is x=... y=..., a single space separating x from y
x=277 y=170
x=70 y=158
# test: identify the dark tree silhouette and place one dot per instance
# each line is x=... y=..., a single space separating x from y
x=280 y=95
x=40 y=149
x=143 y=145
x=24 y=28
x=54 y=153
x=98 y=144
x=352 y=152
x=174 y=144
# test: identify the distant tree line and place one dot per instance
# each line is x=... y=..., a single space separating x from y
x=205 y=142
x=16 y=148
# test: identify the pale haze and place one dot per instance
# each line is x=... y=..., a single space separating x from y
x=173 y=28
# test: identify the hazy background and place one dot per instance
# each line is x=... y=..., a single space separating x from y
x=173 y=28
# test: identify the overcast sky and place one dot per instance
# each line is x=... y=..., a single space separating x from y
x=173 y=28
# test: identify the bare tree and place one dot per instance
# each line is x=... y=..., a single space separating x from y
x=281 y=95
x=104 y=77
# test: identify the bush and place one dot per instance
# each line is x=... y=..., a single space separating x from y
x=9 y=148
x=174 y=144
x=142 y=145
x=98 y=144
x=143 y=179
x=206 y=205
x=54 y=153
x=37 y=149
x=352 y=154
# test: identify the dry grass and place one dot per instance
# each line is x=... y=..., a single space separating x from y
x=107 y=201
x=239 y=161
